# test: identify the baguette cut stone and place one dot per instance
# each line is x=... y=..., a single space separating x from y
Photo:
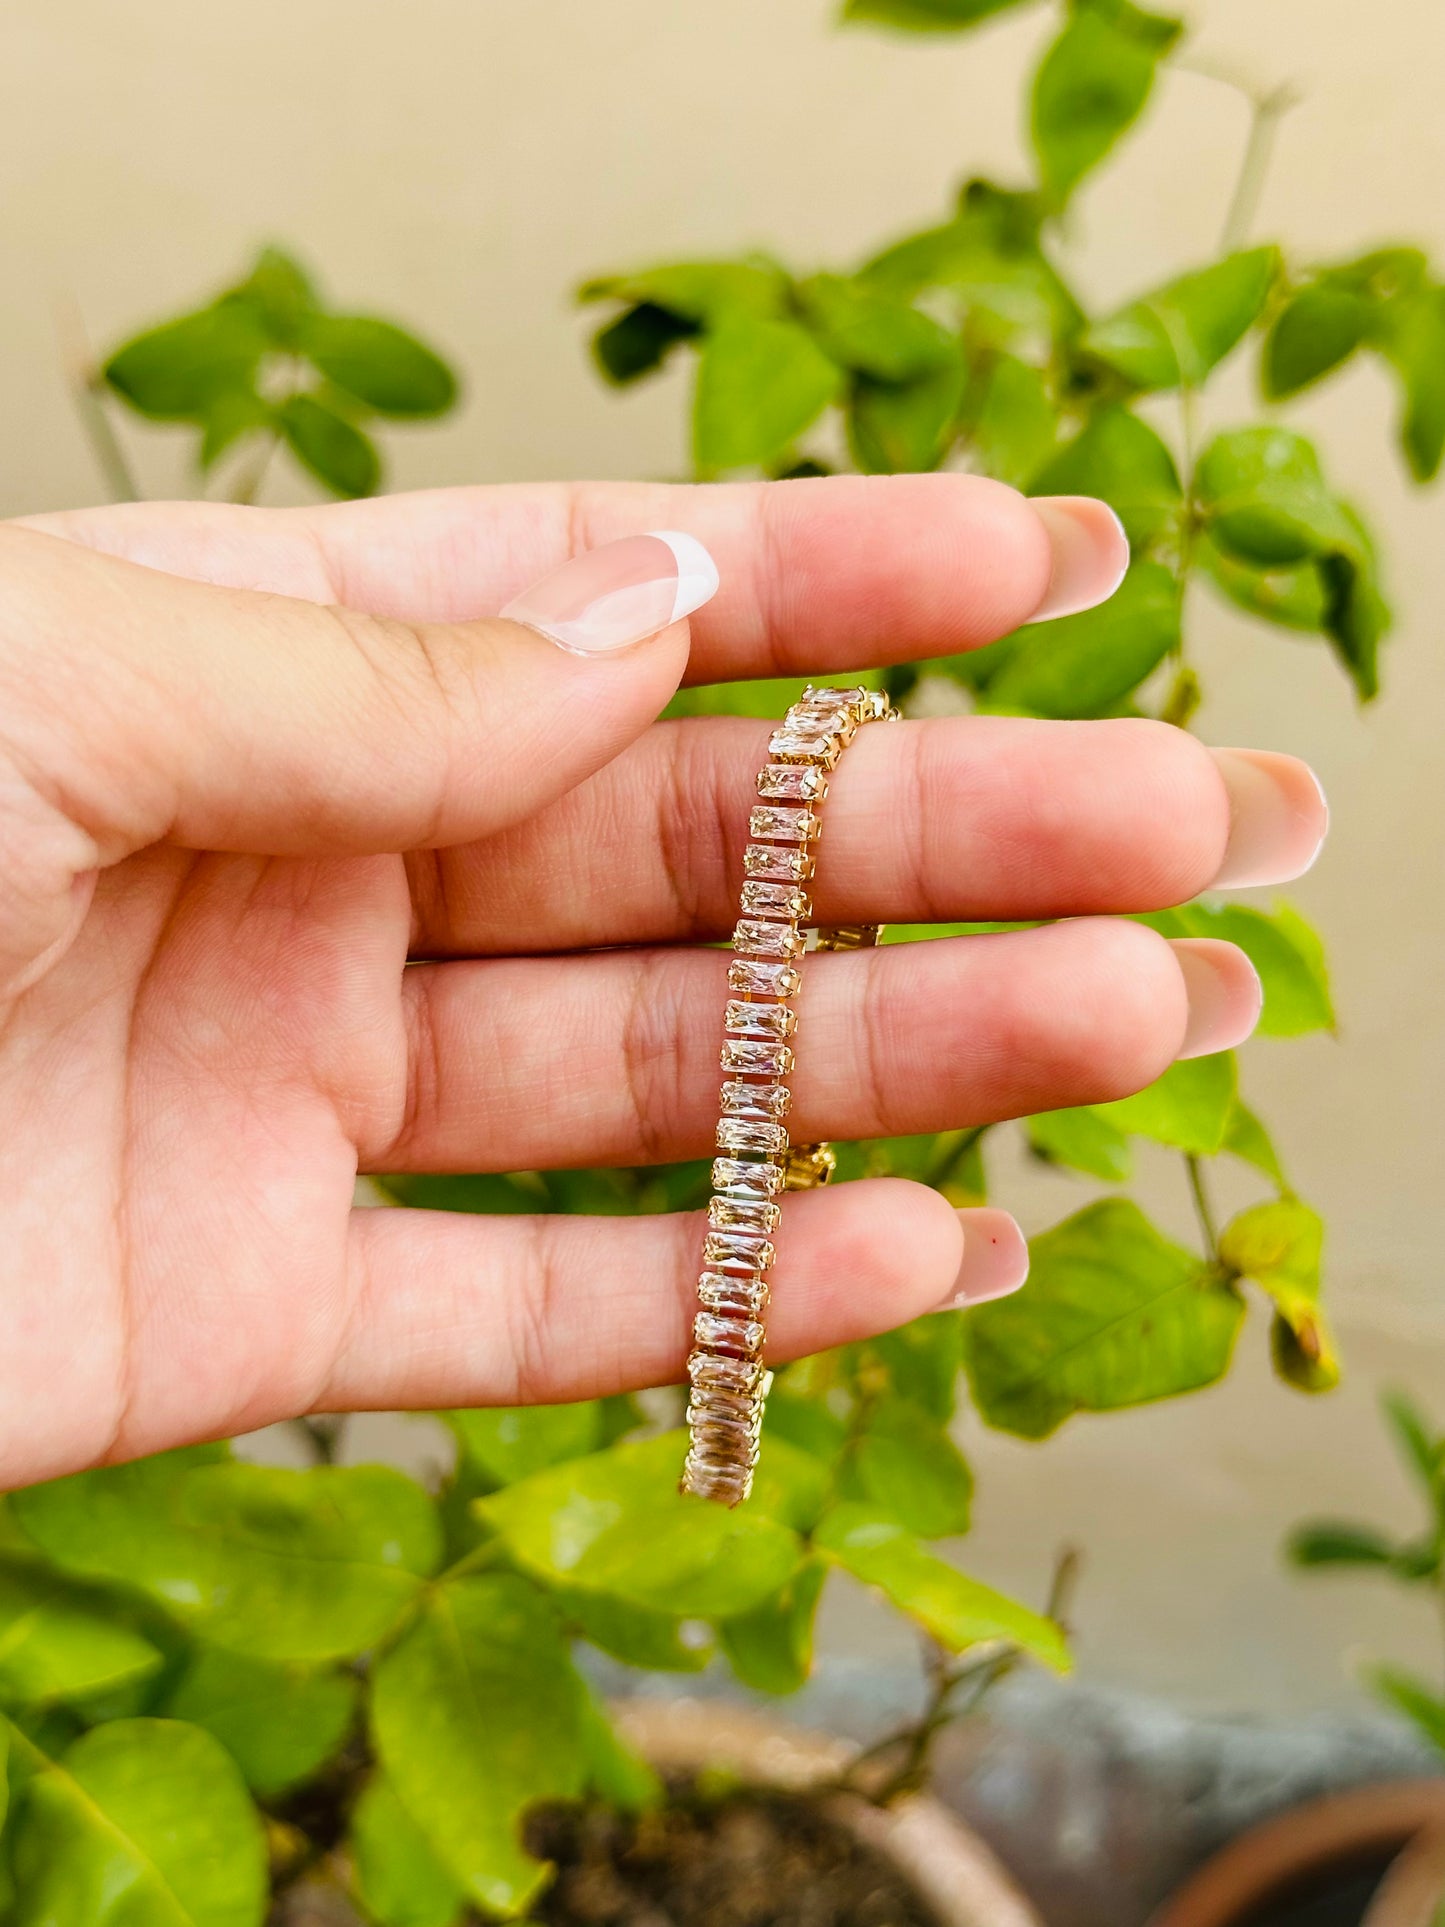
x=746 y=1057
x=797 y=746
x=792 y=783
x=770 y=860
x=783 y=900
x=741 y=1134
x=760 y=1020
x=744 y=1250
x=763 y=979
x=733 y=1297
x=756 y=1100
x=759 y=939
x=737 y=1407
x=721 y=1372
x=723 y=1439
x=740 y=1336
x=725 y=1484
x=782 y=825
x=759 y=1215
x=743 y=1180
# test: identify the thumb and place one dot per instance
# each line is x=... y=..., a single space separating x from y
x=137 y=707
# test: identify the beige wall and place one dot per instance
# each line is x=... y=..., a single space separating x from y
x=462 y=162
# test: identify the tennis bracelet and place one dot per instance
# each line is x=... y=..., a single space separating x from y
x=728 y=1383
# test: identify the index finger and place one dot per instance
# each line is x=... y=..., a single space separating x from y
x=819 y=576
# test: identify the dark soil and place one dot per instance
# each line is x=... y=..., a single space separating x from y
x=748 y=1860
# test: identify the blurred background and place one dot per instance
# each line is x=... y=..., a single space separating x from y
x=462 y=164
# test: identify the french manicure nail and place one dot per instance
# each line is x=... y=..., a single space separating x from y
x=606 y=599
x=1090 y=553
x=995 y=1259
x=1224 y=992
x=1278 y=817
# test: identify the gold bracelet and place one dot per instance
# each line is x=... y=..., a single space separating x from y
x=728 y=1382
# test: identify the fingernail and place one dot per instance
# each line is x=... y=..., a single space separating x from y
x=1224 y=991
x=1278 y=817
x=995 y=1259
x=608 y=598
x=1090 y=553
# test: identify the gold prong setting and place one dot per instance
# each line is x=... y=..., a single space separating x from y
x=727 y=1379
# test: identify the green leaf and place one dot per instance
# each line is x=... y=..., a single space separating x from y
x=281 y=1565
x=770 y=1647
x=638 y=342
x=958 y=1611
x=332 y=448
x=1121 y=459
x=1331 y=1542
x=400 y=1880
x=1091 y=87
x=1420 y=1449
x=925 y=16
x=923 y=1360
x=1084 y=665
x=897 y=428
x=907 y=1467
x=280 y=1724
x=872 y=333
x=1284 y=949
x=1293 y=597
x=637 y=1635
x=1248 y=1139
x=178 y=372
x=279 y=292
x=1278 y=1245
x=1013 y=426
x=1084 y=1140
x=142 y=1823
x=477 y=1715
x=1178 y=333
x=1424 y=1708
x=703 y=292
x=1412 y=338
x=509 y=1444
x=228 y=419
x=760 y=383
x=1190 y=1106
x=1315 y=331
x=1266 y=499
x=1114 y=1315
x=59 y=1641
x=615 y=1523
x=380 y=364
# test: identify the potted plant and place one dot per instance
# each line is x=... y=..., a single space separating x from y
x=229 y=1687
x=1385 y=1841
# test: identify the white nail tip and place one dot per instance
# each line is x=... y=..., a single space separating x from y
x=697 y=576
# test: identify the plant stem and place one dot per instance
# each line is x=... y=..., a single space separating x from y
x=322 y=1436
x=87 y=391
x=1267 y=110
x=248 y=485
x=944 y=1167
x=1203 y=1209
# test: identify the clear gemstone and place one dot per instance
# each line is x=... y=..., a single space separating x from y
x=785 y=826
x=760 y=1020
x=768 y=860
x=775 y=900
x=725 y=1439
x=744 y=1250
x=733 y=1297
x=728 y=1484
x=792 y=783
x=743 y=1214
x=741 y=1180
x=741 y=1134
x=796 y=746
x=756 y=1100
x=760 y=939
x=743 y=1057
x=735 y=1408
x=763 y=979
x=718 y=1372
x=739 y=1336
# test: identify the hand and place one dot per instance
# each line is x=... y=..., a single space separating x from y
x=218 y=727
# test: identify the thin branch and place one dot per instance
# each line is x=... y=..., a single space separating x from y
x=1266 y=113
x=1203 y=1209
x=86 y=387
